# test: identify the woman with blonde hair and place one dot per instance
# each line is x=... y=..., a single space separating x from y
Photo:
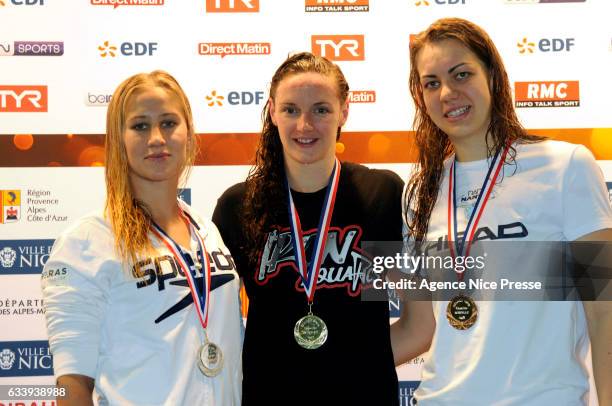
x=142 y=299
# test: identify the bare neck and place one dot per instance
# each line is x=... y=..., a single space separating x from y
x=161 y=201
x=308 y=178
x=470 y=150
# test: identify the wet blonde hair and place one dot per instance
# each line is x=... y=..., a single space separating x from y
x=129 y=218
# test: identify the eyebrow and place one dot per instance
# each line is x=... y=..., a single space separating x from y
x=145 y=116
x=449 y=71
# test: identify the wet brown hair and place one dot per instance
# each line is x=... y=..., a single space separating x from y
x=266 y=195
x=433 y=144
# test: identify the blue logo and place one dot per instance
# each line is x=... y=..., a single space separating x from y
x=25 y=358
x=185 y=195
x=609 y=184
x=395 y=305
x=406 y=392
x=19 y=257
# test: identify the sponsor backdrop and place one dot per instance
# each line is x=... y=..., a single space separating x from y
x=60 y=62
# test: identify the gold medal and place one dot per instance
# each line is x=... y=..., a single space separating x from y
x=210 y=359
x=310 y=332
x=461 y=312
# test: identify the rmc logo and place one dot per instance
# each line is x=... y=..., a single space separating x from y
x=547 y=94
x=232 y=6
x=23 y=99
x=339 y=47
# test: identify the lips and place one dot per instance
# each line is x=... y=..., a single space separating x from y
x=305 y=141
x=158 y=155
x=457 y=112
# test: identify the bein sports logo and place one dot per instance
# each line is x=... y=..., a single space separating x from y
x=32 y=48
x=7 y=359
x=7 y=257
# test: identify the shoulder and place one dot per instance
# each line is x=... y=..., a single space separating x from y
x=551 y=149
x=369 y=179
x=89 y=229
x=233 y=196
x=206 y=228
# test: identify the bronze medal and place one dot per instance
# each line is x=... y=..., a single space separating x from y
x=462 y=312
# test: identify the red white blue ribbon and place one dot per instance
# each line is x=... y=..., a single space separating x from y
x=461 y=246
x=309 y=272
x=201 y=297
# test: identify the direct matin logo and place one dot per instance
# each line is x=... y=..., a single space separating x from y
x=20 y=257
x=347 y=6
x=25 y=358
x=224 y=49
x=547 y=94
x=117 y=3
x=406 y=392
x=10 y=206
x=362 y=96
x=32 y=48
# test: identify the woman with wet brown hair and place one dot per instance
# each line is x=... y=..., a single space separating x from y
x=294 y=228
x=481 y=177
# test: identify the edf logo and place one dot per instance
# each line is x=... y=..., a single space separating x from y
x=441 y=2
x=235 y=98
x=128 y=49
x=525 y=46
x=28 y=2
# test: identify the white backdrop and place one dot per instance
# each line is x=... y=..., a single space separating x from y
x=569 y=41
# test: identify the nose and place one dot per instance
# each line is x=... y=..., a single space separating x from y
x=303 y=123
x=156 y=137
x=447 y=91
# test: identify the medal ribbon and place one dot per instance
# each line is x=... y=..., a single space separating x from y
x=310 y=274
x=460 y=245
x=201 y=300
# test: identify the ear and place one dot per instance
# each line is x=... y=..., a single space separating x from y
x=344 y=111
x=272 y=111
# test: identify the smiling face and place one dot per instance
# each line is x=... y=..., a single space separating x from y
x=155 y=136
x=455 y=86
x=308 y=111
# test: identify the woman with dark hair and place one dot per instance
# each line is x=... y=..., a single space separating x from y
x=479 y=172
x=140 y=308
x=294 y=228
